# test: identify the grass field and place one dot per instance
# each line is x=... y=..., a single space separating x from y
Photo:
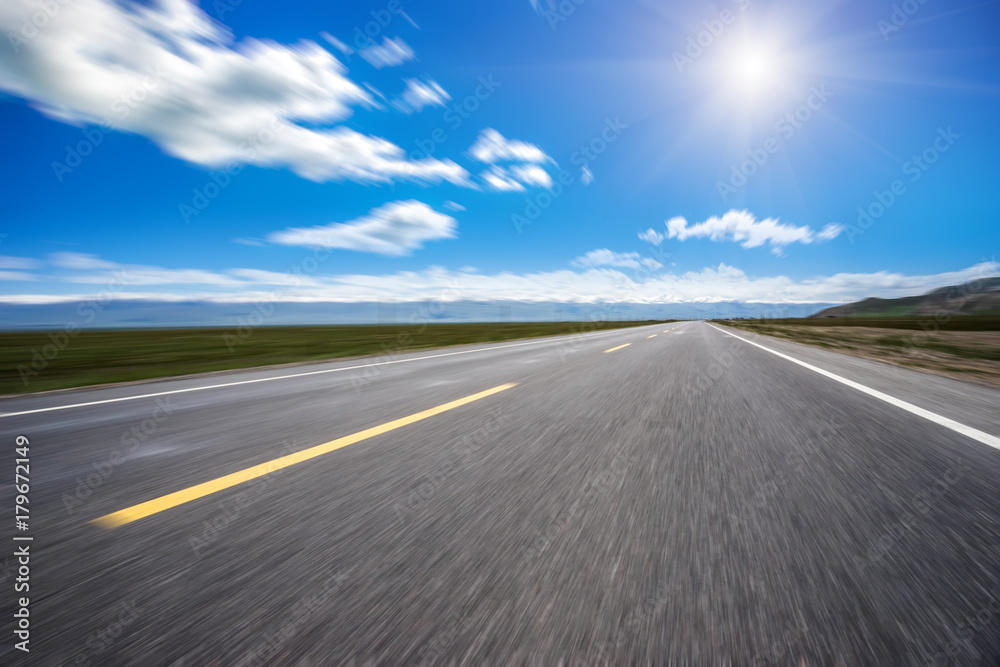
x=34 y=361
x=962 y=347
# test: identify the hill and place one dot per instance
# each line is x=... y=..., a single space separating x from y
x=980 y=297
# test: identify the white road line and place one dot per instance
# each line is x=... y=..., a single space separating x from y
x=958 y=427
x=298 y=375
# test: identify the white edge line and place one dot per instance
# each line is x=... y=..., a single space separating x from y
x=958 y=427
x=554 y=339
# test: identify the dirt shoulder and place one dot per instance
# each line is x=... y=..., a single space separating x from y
x=971 y=356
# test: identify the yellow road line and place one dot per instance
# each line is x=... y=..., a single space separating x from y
x=142 y=510
x=617 y=348
x=653 y=336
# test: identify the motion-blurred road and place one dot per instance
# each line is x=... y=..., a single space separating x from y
x=658 y=495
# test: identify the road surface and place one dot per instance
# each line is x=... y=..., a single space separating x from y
x=669 y=494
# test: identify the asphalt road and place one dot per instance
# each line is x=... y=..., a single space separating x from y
x=688 y=499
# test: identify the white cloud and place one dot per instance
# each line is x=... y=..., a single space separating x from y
x=132 y=275
x=337 y=44
x=452 y=206
x=395 y=228
x=168 y=72
x=605 y=257
x=377 y=93
x=590 y=285
x=18 y=263
x=80 y=261
x=259 y=277
x=830 y=231
x=18 y=276
x=389 y=53
x=419 y=95
x=491 y=147
x=586 y=175
x=531 y=174
x=85 y=269
x=501 y=180
x=514 y=179
x=742 y=227
x=652 y=236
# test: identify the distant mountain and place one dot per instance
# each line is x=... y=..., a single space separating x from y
x=980 y=297
x=160 y=314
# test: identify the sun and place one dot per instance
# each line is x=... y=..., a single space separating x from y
x=753 y=68
x=753 y=73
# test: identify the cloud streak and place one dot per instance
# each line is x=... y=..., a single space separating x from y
x=591 y=284
x=389 y=53
x=168 y=72
x=492 y=147
x=605 y=257
x=419 y=94
x=395 y=229
x=743 y=228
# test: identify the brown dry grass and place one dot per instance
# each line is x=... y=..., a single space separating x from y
x=972 y=356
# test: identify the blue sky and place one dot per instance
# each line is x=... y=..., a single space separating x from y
x=631 y=151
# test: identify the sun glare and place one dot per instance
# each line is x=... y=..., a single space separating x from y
x=753 y=73
x=753 y=68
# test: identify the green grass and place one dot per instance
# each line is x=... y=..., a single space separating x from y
x=100 y=357
x=891 y=341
